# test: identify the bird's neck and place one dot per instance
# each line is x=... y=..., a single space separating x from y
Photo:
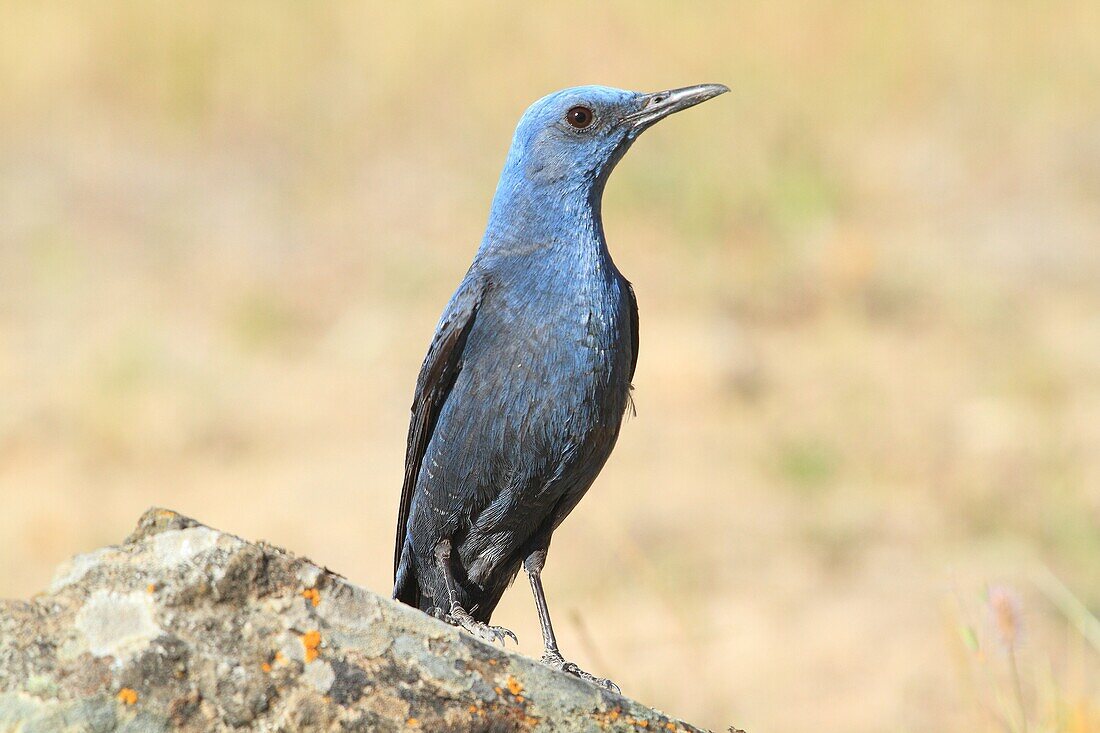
x=532 y=218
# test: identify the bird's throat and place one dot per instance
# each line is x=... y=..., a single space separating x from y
x=525 y=219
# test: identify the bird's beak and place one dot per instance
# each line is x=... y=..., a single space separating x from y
x=657 y=106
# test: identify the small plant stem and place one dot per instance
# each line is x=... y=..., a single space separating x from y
x=1018 y=689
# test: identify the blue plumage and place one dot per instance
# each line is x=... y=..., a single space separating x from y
x=520 y=398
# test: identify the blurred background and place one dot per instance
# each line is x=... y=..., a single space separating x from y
x=862 y=490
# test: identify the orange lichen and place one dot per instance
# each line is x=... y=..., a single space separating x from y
x=127 y=696
x=311 y=595
x=150 y=588
x=498 y=691
x=616 y=714
x=311 y=640
x=265 y=667
x=514 y=685
x=279 y=658
x=493 y=662
x=412 y=723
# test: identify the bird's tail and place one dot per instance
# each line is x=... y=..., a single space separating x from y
x=405 y=586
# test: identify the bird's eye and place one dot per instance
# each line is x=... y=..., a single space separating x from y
x=579 y=117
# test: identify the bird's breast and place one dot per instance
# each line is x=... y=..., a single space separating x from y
x=563 y=341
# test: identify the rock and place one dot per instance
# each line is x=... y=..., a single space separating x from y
x=184 y=627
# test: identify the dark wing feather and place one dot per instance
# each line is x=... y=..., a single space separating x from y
x=633 y=330
x=437 y=376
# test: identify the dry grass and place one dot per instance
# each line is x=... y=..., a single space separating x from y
x=870 y=380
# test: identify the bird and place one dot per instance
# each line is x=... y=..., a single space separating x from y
x=521 y=396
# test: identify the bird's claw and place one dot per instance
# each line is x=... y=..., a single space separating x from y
x=493 y=633
x=556 y=661
x=460 y=618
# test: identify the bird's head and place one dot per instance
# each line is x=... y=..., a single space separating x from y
x=573 y=138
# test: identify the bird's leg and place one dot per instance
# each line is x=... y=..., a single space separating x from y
x=457 y=615
x=550 y=655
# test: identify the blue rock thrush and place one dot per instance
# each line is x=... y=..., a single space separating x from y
x=522 y=393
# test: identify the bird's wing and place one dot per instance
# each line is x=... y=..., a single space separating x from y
x=633 y=330
x=437 y=376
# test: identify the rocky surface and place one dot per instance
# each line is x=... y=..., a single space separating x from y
x=183 y=627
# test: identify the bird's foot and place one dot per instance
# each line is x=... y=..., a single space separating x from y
x=458 y=616
x=554 y=660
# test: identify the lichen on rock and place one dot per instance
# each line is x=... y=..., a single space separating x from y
x=183 y=627
x=117 y=625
